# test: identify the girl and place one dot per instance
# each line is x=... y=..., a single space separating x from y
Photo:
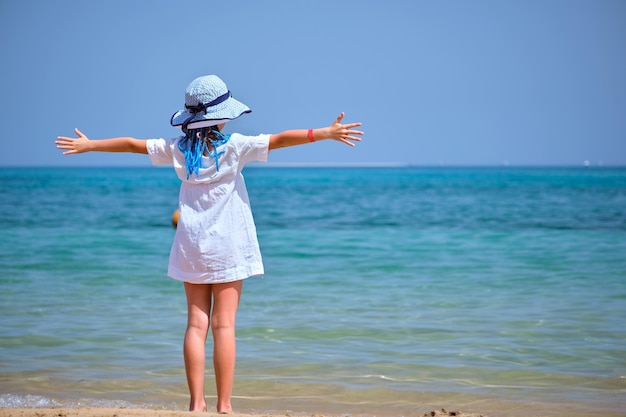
x=215 y=246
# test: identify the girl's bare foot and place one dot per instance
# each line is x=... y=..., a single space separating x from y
x=199 y=407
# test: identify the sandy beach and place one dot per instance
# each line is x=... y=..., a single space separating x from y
x=532 y=411
x=128 y=412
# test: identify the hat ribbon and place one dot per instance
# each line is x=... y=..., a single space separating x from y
x=201 y=107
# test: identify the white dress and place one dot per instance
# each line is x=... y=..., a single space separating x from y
x=216 y=238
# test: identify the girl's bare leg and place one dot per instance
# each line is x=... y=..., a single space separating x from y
x=225 y=303
x=198 y=313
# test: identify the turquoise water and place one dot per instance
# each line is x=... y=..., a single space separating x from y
x=403 y=287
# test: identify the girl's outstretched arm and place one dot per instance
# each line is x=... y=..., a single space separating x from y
x=336 y=131
x=82 y=144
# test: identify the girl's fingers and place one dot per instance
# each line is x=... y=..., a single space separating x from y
x=66 y=144
x=355 y=132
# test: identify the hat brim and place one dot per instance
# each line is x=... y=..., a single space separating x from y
x=228 y=110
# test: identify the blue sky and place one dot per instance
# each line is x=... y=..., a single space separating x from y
x=534 y=82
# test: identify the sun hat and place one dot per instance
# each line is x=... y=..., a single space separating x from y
x=208 y=102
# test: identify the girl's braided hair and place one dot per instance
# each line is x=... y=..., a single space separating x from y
x=195 y=144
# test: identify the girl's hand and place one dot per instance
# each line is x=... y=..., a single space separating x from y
x=344 y=133
x=73 y=145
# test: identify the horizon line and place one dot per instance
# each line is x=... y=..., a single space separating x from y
x=345 y=165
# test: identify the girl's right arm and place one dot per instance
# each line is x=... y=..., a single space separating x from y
x=82 y=144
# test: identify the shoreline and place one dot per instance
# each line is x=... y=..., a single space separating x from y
x=366 y=404
x=31 y=396
x=87 y=411
x=130 y=412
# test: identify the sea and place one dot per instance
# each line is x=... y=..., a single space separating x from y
x=388 y=290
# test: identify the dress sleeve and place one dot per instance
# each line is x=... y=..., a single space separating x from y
x=252 y=148
x=161 y=151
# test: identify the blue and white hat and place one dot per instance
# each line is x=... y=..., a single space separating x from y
x=208 y=102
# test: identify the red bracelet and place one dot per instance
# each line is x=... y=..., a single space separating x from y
x=310 y=135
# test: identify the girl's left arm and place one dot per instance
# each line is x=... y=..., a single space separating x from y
x=83 y=144
x=337 y=131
